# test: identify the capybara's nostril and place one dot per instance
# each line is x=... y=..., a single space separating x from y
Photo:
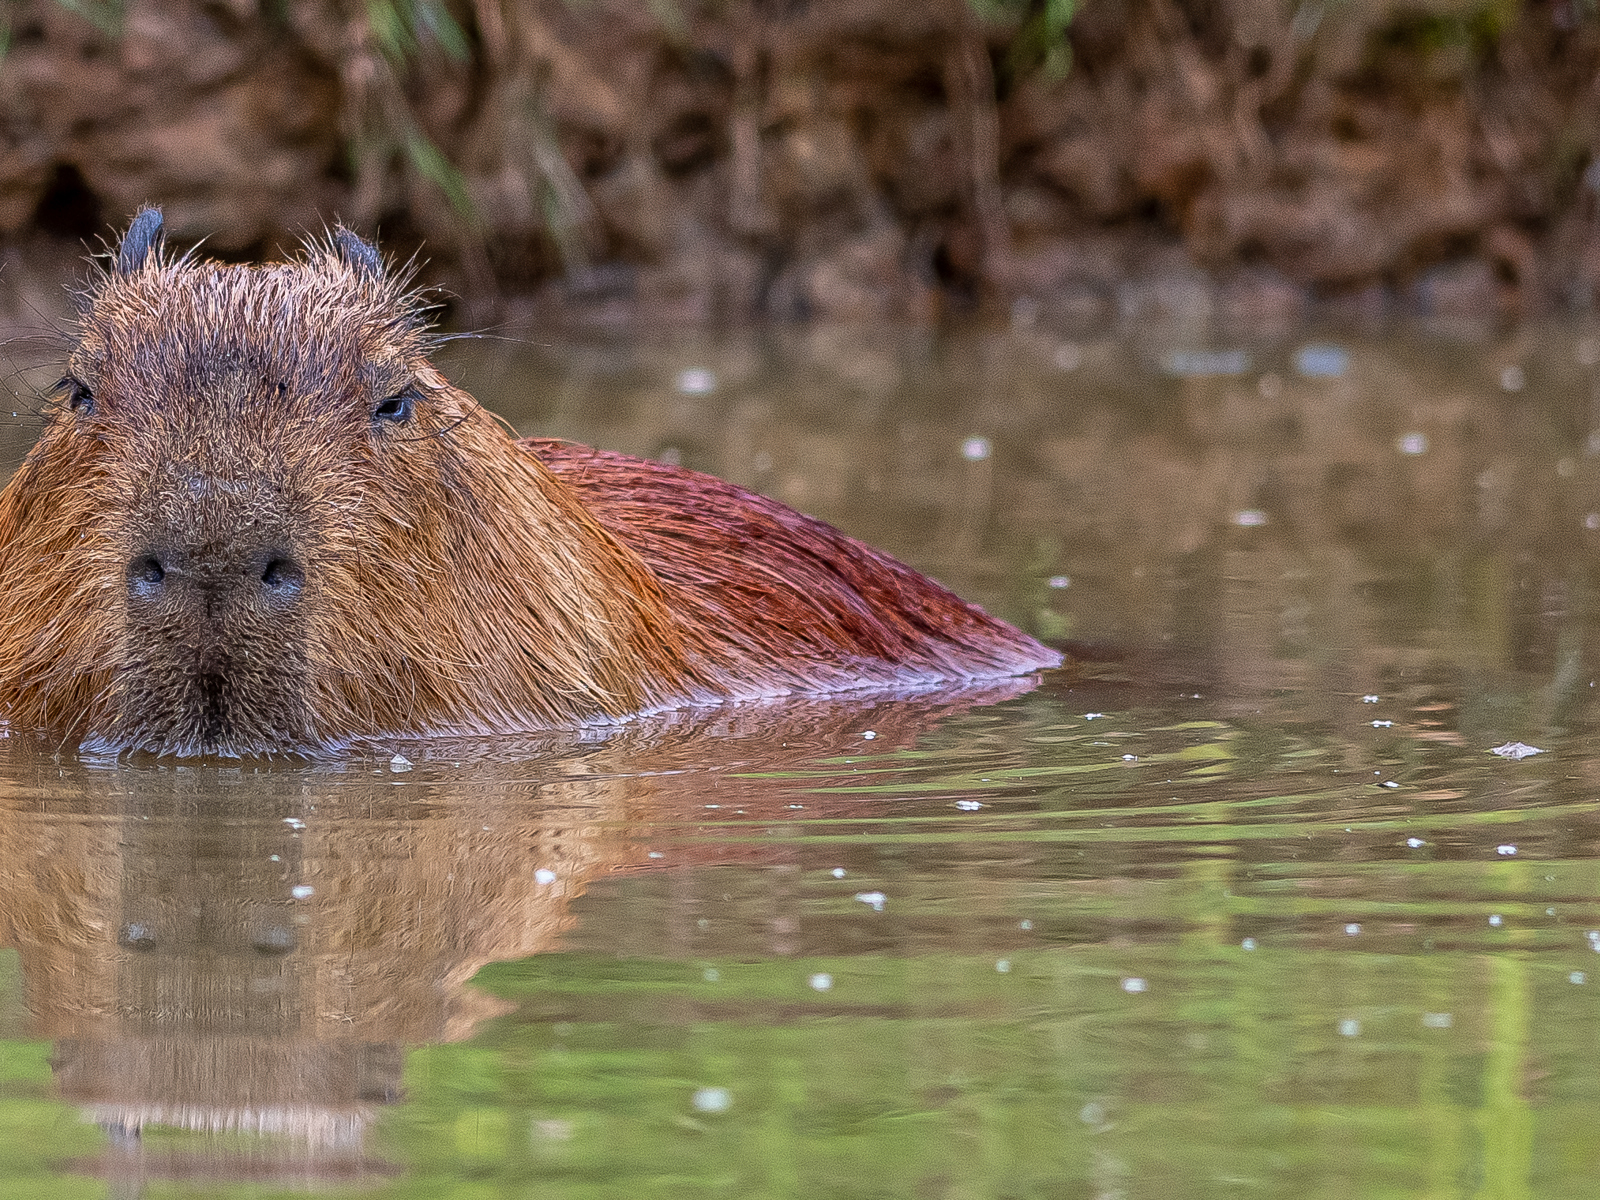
x=145 y=576
x=283 y=577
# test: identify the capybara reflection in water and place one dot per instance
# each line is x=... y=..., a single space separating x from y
x=260 y=521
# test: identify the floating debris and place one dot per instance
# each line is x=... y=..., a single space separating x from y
x=1003 y=966
x=303 y=891
x=294 y=822
x=1369 y=698
x=1250 y=518
x=1059 y=581
x=1383 y=724
x=399 y=763
x=874 y=900
x=969 y=805
x=1353 y=928
x=1577 y=977
x=869 y=734
x=1508 y=850
x=1321 y=361
x=1515 y=750
x=1133 y=985
x=1415 y=843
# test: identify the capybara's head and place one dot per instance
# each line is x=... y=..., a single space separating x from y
x=259 y=521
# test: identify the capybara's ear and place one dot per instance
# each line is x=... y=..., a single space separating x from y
x=144 y=234
x=358 y=253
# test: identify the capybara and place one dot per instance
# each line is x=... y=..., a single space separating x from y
x=260 y=521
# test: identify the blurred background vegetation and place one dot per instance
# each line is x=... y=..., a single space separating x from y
x=614 y=160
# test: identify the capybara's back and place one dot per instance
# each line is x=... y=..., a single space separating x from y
x=259 y=521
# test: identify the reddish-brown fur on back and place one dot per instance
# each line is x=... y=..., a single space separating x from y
x=259 y=520
x=774 y=602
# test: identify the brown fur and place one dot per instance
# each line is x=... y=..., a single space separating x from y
x=447 y=580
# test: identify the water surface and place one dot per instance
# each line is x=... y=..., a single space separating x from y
x=1242 y=904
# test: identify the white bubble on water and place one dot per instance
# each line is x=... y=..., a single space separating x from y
x=1134 y=985
x=1248 y=944
x=399 y=763
x=294 y=822
x=1250 y=518
x=1412 y=443
x=1577 y=977
x=821 y=981
x=874 y=900
x=976 y=449
x=544 y=875
x=302 y=891
x=697 y=381
x=711 y=975
x=1415 y=843
x=1496 y=920
x=1350 y=1027
x=838 y=872
x=1437 y=1020
x=1003 y=966
x=869 y=734
x=1507 y=849
x=1059 y=581
x=969 y=805
x=1513 y=378
x=712 y=1100
x=1353 y=928
x=1369 y=698
x=1024 y=924
x=1383 y=724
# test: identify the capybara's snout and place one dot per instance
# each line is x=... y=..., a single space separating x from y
x=168 y=575
x=208 y=552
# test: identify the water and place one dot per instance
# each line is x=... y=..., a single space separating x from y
x=1242 y=905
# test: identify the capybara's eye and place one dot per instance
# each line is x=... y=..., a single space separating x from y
x=79 y=397
x=396 y=408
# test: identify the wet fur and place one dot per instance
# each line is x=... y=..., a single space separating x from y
x=455 y=581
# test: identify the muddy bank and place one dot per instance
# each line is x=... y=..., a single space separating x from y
x=840 y=158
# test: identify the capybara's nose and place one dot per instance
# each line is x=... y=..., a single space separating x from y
x=270 y=574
